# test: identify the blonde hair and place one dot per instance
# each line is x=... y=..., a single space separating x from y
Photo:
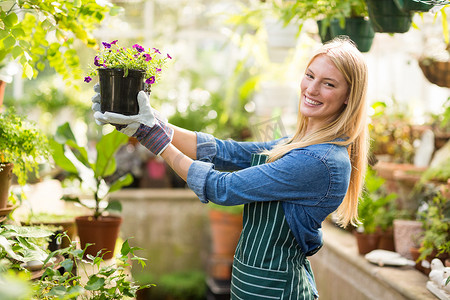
x=351 y=123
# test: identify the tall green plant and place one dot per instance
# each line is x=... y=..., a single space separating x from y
x=36 y=33
x=94 y=170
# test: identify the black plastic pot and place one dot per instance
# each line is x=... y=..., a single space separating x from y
x=119 y=93
x=358 y=29
x=411 y=5
x=385 y=16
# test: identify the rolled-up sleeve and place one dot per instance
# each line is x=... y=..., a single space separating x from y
x=196 y=179
x=206 y=147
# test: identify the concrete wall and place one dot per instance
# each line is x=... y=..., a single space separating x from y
x=171 y=225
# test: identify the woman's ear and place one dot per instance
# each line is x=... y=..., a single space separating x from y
x=346 y=101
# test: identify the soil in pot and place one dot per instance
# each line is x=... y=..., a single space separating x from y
x=119 y=93
x=367 y=241
x=102 y=233
x=5 y=183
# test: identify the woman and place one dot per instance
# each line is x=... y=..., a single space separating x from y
x=315 y=172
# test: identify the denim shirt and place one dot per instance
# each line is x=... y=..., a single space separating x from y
x=311 y=182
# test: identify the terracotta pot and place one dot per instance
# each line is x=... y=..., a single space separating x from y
x=2 y=91
x=406 y=233
x=387 y=240
x=5 y=183
x=447 y=262
x=367 y=241
x=415 y=255
x=225 y=231
x=102 y=233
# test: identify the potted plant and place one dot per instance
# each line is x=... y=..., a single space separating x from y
x=122 y=72
x=95 y=174
x=414 y=6
x=370 y=211
x=387 y=17
x=226 y=226
x=435 y=222
x=23 y=147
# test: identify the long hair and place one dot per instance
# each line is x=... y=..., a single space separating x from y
x=351 y=123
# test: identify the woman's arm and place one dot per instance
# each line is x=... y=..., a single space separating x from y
x=185 y=141
x=178 y=161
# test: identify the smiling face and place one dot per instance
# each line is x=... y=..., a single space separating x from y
x=324 y=92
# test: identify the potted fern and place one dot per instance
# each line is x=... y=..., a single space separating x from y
x=94 y=172
x=23 y=148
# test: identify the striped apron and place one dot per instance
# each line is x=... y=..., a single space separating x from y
x=268 y=263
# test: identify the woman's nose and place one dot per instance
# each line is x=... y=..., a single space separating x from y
x=313 y=88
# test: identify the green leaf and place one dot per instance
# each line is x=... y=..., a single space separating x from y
x=11 y=19
x=17 y=32
x=106 y=149
x=9 y=42
x=94 y=283
x=16 y=52
x=114 y=206
x=60 y=158
x=121 y=182
x=125 y=248
x=28 y=70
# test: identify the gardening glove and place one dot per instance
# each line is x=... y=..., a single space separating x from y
x=148 y=126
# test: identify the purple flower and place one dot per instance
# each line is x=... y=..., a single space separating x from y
x=114 y=42
x=156 y=50
x=150 y=80
x=87 y=79
x=168 y=56
x=147 y=57
x=158 y=70
x=138 y=48
x=106 y=45
x=96 y=61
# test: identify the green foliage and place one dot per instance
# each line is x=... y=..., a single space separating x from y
x=391 y=132
x=183 y=285
x=104 y=281
x=436 y=225
x=93 y=172
x=38 y=32
x=235 y=210
x=440 y=172
x=374 y=203
x=22 y=143
x=20 y=243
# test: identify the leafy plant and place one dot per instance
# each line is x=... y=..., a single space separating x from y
x=109 y=281
x=372 y=203
x=93 y=171
x=22 y=143
x=435 y=222
x=135 y=58
x=59 y=280
x=34 y=33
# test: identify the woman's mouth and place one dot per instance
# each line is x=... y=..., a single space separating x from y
x=312 y=102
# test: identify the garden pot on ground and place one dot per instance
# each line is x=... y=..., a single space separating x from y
x=367 y=241
x=119 y=93
x=102 y=233
x=5 y=183
x=358 y=29
x=225 y=232
x=385 y=16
